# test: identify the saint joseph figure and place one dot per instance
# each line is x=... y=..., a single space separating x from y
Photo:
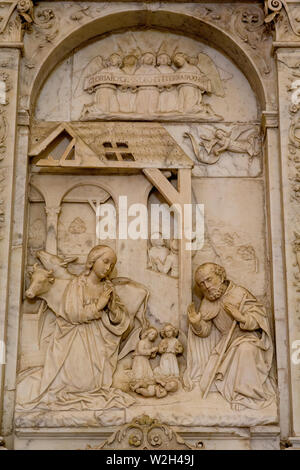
x=231 y=327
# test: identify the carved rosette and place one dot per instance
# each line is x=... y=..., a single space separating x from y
x=144 y=433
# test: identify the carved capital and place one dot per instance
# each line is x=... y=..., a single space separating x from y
x=273 y=8
x=52 y=212
x=269 y=120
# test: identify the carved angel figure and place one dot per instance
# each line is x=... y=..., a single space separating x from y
x=151 y=84
x=168 y=95
x=147 y=96
x=106 y=99
x=189 y=95
x=221 y=141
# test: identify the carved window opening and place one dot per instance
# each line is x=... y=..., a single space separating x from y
x=111 y=156
x=118 y=155
x=61 y=146
x=128 y=157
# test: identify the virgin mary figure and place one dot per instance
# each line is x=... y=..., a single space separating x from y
x=82 y=354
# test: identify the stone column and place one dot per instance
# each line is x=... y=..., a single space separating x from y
x=288 y=60
x=270 y=126
x=9 y=67
x=52 y=221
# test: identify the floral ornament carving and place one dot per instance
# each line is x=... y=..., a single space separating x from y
x=249 y=25
x=82 y=12
x=273 y=8
x=296 y=249
x=3 y=133
x=2 y=202
x=294 y=140
x=25 y=15
x=294 y=166
x=45 y=29
x=144 y=433
x=5 y=88
x=4 y=77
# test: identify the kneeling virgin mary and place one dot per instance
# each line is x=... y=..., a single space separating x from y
x=82 y=355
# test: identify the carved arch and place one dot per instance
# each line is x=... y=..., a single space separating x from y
x=178 y=22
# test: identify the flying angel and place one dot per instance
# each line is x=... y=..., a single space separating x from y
x=222 y=140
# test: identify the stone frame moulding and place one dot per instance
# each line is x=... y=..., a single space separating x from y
x=36 y=67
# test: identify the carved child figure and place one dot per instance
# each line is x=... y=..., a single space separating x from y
x=169 y=348
x=143 y=381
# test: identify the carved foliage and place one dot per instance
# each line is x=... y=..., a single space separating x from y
x=2 y=202
x=6 y=86
x=273 y=11
x=44 y=29
x=144 y=433
x=294 y=162
x=250 y=27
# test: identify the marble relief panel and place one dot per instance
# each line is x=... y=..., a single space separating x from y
x=148 y=75
x=125 y=301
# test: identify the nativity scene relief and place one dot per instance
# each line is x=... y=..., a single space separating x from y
x=117 y=326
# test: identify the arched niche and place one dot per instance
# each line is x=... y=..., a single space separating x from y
x=77 y=223
x=165 y=19
x=66 y=88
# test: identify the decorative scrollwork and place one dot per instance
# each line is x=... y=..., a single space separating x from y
x=250 y=26
x=3 y=173
x=273 y=8
x=144 y=433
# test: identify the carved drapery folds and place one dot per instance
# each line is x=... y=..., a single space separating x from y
x=146 y=85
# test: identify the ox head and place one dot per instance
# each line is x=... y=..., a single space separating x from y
x=41 y=281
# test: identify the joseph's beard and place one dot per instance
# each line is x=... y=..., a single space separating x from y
x=215 y=293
